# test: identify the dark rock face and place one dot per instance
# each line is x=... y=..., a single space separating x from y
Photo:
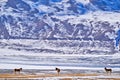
x=18 y=4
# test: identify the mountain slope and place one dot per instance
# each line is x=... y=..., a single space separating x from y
x=87 y=20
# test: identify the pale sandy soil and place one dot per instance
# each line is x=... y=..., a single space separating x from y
x=41 y=75
x=7 y=76
x=51 y=74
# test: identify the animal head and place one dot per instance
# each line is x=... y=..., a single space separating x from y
x=21 y=69
x=56 y=68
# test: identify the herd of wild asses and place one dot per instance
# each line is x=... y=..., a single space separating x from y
x=58 y=70
x=18 y=70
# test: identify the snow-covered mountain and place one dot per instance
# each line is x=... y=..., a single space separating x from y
x=84 y=20
x=37 y=34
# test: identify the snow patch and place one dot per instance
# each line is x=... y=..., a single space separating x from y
x=83 y=1
x=3 y=0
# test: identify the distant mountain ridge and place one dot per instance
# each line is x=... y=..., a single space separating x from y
x=43 y=19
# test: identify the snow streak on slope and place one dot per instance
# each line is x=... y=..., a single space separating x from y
x=45 y=53
x=60 y=46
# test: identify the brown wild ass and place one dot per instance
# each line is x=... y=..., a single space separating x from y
x=17 y=70
x=58 y=70
x=108 y=70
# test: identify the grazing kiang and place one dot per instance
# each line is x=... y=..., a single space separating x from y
x=108 y=70
x=17 y=70
x=58 y=70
